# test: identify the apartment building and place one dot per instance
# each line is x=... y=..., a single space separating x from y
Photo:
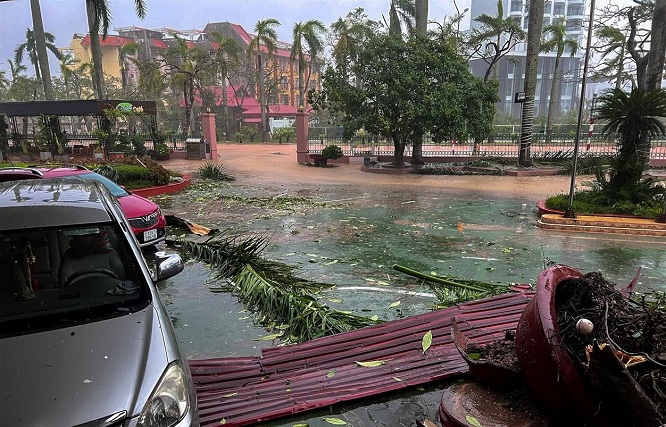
x=511 y=69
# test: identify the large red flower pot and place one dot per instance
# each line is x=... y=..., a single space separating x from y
x=545 y=363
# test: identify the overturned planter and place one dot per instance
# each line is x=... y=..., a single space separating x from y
x=546 y=365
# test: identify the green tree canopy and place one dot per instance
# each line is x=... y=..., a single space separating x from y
x=408 y=89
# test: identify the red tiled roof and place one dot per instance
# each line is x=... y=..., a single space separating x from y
x=291 y=379
x=190 y=44
x=108 y=41
x=159 y=44
x=247 y=38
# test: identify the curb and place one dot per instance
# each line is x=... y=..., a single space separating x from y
x=170 y=188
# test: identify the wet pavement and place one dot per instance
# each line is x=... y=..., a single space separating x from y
x=358 y=233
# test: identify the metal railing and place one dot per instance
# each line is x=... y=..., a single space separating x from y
x=502 y=145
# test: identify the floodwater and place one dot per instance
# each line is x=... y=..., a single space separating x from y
x=355 y=244
x=481 y=228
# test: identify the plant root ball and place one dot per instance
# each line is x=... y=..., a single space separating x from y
x=584 y=326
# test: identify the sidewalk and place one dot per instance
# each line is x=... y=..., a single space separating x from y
x=603 y=224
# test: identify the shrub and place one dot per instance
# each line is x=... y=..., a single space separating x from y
x=162 y=150
x=107 y=171
x=214 y=171
x=284 y=133
x=332 y=152
x=138 y=146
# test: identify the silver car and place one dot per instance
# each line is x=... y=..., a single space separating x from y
x=84 y=336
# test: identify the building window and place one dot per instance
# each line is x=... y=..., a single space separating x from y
x=546 y=22
x=547 y=6
x=284 y=99
x=574 y=25
x=558 y=9
x=284 y=83
x=516 y=5
x=575 y=9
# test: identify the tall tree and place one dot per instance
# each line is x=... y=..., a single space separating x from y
x=311 y=33
x=612 y=45
x=535 y=24
x=191 y=70
x=655 y=65
x=401 y=11
x=29 y=48
x=227 y=56
x=410 y=88
x=264 y=40
x=99 y=18
x=421 y=16
x=42 y=44
x=495 y=38
x=559 y=42
x=348 y=35
x=16 y=68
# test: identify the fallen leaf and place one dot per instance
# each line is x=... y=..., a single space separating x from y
x=374 y=318
x=395 y=304
x=461 y=229
x=301 y=425
x=428 y=423
x=335 y=421
x=230 y=395
x=379 y=282
x=87 y=381
x=426 y=341
x=472 y=421
x=223 y=421
x=397 y=379
x=330 y=373
x=269 y=337
x=372 y=364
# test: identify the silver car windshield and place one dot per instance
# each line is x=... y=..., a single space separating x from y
x=53 y=278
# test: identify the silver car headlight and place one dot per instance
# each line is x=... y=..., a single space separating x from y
x=169 y=402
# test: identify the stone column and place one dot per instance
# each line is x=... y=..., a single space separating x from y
x=208 y=128
x=302 y=148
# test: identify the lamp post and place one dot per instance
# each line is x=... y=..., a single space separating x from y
x=569 y=213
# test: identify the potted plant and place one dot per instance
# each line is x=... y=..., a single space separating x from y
x=162 y=151
x=330 y=152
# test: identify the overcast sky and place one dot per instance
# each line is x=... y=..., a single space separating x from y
x=63 y=18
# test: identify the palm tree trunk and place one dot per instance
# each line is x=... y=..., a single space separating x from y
x=262 y=98
x=301 y=94
x=225 y=104
x=96 y=49
x=40 y=43
x=531 y=60
x=188 y=109
x=553 y=103
x=421 y=16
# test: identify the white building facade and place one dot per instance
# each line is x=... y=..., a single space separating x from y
x=511 y=69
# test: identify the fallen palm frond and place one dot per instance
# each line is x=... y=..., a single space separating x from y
x=453 y=290
x=283 y=301
x=107 y=171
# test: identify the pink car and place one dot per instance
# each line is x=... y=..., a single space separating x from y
x=145 y=217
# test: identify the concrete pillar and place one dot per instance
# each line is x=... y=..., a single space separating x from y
x=208 y=128
x=302 y=148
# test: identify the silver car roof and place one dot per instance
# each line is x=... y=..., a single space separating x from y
x=53 y=202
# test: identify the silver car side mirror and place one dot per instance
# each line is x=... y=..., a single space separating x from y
x=168 y=265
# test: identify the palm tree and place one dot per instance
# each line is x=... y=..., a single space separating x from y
x=42 y=43
x=613 y=41
x=4 y=81
x=495 y=38
x=227 y=55
x=558 y=42
x=401 y=11
x=264 y=40
x=29 y=48
x=310 y=32
x=16 y=68
x=535 y=23
x=636 y=116
x=99 y=18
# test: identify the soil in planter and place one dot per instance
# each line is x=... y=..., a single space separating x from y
x=500 y=353
x=632 y=330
